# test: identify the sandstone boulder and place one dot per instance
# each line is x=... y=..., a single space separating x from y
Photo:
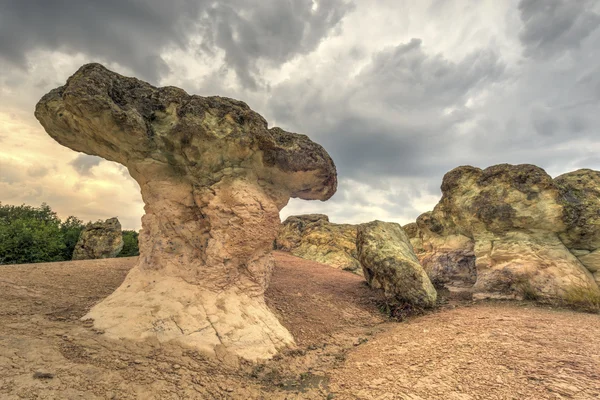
x=447 y=257
x=580 y=197
x=389 y=263
x=511 y=219
x=99 y=240
x=414 y=236
x=213 y=178
x=313 y=237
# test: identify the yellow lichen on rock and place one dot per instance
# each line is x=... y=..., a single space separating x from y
x=313 y=237
x=515 y=223
x=389 y=263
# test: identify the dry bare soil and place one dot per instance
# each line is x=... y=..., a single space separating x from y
x=346 y=348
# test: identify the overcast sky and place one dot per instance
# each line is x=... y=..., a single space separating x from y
x=398 y=92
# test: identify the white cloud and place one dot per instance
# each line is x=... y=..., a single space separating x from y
x=35 y=169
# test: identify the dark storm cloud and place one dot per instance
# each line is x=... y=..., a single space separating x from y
x=552 y=27
x=134 y=33
x=518 y=86
x=549 y=115
x=84 y=163
x=364 y=148
x=398 y=117
x=126 y=31
x=270 y=30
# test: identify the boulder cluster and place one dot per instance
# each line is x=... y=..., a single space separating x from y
x=380 y=251
x=510 y=230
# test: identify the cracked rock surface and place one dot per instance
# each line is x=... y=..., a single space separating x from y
x=524 y=232
x=213 y=178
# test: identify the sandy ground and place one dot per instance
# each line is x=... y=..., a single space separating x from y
x=482 y=352
x=346 y=349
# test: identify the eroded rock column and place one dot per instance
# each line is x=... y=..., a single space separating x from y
x=213 y=178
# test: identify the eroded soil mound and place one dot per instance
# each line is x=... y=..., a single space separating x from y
x=346 y=350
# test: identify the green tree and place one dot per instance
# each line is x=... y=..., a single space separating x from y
x=29 y=234
x=70 y=230
x=130 y=244
x=36 y=234
x=10 y=213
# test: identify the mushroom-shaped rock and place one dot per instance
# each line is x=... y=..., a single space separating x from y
x=389 y=263
x=102 y=239
x=213 y=178
x=313 y=237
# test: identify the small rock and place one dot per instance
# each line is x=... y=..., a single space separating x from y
x=43 y=375
x=99 y=240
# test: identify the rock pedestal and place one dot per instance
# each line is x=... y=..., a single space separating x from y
x=213 y=178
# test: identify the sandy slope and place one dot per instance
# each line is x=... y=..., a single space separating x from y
x=345 y=349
